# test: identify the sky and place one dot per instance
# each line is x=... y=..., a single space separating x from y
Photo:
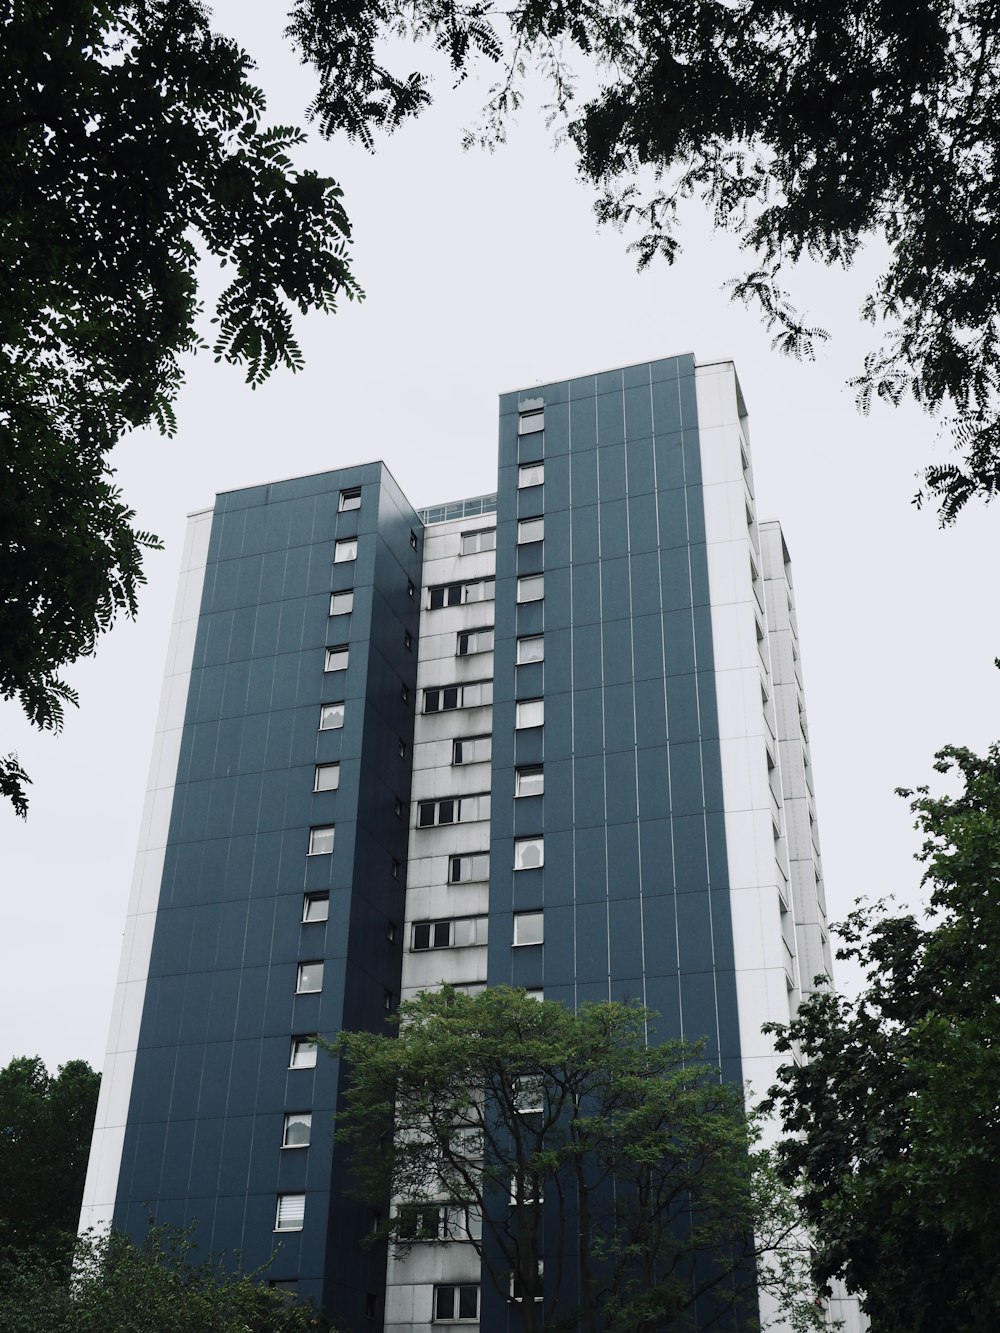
x=485 y=273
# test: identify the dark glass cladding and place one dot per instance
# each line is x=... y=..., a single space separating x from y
x=225 y=1050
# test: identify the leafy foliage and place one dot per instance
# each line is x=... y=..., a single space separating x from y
x=894 y=1115
x=132 y=143
x=157 y=1287
x=46 y=1123
x=806 y=127
x=542 y=1136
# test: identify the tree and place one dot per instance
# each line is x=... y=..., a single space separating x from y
x=601 y=1178
x=156 y=1287
x=132 y=145
x=894 y=1115
x=807 y=128
x=46 y=1124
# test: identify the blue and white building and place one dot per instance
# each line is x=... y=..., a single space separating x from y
x=553 y=737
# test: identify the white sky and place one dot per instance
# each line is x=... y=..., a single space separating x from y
x=486 y=273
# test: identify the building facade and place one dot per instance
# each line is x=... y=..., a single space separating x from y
x=552 y=738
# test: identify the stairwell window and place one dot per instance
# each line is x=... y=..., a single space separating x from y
x=350 y=499
x=344 y=550
x=531 y=648
x=531 y=588
x=530 y=423
x=321 y=840
x=530 y=474
x=530 y=530
x=529 y=713
x=316 y=907
x=341 y=602
x=336 y=658
x=303 y=1053
x=331 y=717
x=327 y=777
x=529 y=781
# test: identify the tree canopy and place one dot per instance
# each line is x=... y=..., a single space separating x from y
x=892 y=1115
x=603 y=1179
x=808 y=128
x=133 y=144
x=160 y=1286
x=46 y=1124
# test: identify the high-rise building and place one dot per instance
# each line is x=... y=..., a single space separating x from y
x=553 y=737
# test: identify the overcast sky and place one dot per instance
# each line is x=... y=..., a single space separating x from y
x=483 y=274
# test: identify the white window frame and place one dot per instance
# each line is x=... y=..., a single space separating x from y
x=338 y=600
x=456 y=1304
x=299 y=1117
x=478 y=640
x=520 y=847
x=307 y=972
x=530 y=530
x=463 y=932
x=530 y=588
x=530 y=924
x=290 y=1212
x=478 y=867
x=327 y=777
x=334 y=653
x=329 y=711
x=457 y=809
x=345 y=550
x=474 y=694
x=481 y=539
x=522 y=658
x=472 y=750
x=304 y=1053
x=522 y=788
x=531 y=422
x=317 y=837
x=313 y=905
x=529 y=713
x=348 y=497
x=530 y=474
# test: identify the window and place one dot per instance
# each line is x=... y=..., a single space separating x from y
x=309 y=978
x=453 y=811
x=529 y=781
x=331 y=717
x=291 y=1212
x=402 y=747
x=529 y=853
x=316 y=907
x=327 y=777
x=459 y=594
x=341 y=602
x=439 y=1221
x=464 y=868
x=457 y=1302
x=530 y=474
x=413 y=539
x=410 y=589
x=395 y=868
x=530 y=649
x=404 y=693
x=344 y=550
x=303 y=1053
x=530 y=530
x=457 y=934
x=475 y=750
x=529 y=713
x=350 y=499
x=483 y=540
x=518 y=1291
x=469 y=988
x=529 y=423
x=321 y=840
x=531 y=588
x=474 y=695
x=388 y=1000
x=475 y=641
x=397 y=808
x=529 y=1095
x=529 y=927
x=336 y=658
x=298 y=1128
x=407 y=639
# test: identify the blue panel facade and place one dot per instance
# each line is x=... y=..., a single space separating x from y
x=224 y=1005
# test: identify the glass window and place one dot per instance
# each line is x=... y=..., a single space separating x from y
x=327 y=777
x=530 y=474
x=453 y=1303
x=529 y=713
x=350 y=499
x=475 y=750
x=321 y=840
x=298 y=1128
x=483 y=591
x=341 y=602
x=303 y=1053
x=483 y=540
x=529 y=423
x=529 y=853
x=530 y=530
x=336 y=658
x=316 y=907
x=446 y=594
x=529 y=781
x=413 y=539
x=529 y=927
x=331 y=717
x=291 y=1212
x=344 y=550
x=531 y=588
x=463 y=868
x=309 y=978
x=475 y=641
x=530 y=649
